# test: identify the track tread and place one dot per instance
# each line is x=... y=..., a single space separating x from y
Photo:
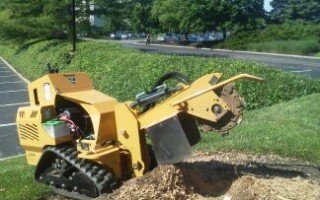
x=103 y=180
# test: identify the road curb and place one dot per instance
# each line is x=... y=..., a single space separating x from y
x=14 y=70
x=209 y=49
x=271 y=54
x=11 y=157
x=237 y=51
x=227 y=50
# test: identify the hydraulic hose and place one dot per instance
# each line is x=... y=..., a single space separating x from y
x=177 y=76
x=172 y=75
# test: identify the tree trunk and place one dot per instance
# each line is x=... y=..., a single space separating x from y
x=224 y=33
x=87 y=16
x=186 y=36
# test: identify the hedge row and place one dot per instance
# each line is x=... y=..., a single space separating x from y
x=123 y=73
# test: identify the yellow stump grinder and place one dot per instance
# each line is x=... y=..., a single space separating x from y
x=84 y=142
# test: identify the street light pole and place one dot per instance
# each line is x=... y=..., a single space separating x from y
x=74 y=34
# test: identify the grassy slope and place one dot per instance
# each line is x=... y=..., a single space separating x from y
x=123 y=73
x=291 y=37
x=17 y=181
x=302 y=47
x=288 y=129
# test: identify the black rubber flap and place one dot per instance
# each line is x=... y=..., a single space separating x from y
x=169 y=141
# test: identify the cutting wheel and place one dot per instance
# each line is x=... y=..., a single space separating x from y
x=236 y=104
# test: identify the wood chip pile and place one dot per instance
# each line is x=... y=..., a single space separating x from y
x=164 y=182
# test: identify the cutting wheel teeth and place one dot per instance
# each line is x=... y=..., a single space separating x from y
x=236 y=104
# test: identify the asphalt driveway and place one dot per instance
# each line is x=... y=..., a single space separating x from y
x=13 y=94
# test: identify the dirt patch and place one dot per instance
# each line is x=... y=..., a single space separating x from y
x=224 y=176
x=251 y=188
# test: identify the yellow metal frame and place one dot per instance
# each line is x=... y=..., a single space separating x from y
x=32 y=135
x=195 y=99
x=119 y=129
x=219 y=85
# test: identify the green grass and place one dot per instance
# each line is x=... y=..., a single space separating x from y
x=303 y=47
x=290 y=129
x=17 y=181
x=123 y=73
x=290 y=37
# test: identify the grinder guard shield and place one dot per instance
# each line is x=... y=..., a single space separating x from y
x=170 y=143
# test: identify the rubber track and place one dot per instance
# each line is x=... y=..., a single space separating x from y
x=102 y=178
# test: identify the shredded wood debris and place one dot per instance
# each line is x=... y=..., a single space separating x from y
x=223 y=177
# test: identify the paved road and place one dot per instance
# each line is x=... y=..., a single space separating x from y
x=13 y=94
x=299 y=65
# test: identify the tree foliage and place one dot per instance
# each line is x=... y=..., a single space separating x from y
x=51 y=19
x=306 y=10
x=199 y=16
x=245 y=13
x=116 y=13
x=21 y=19
x=140 y=17
x=34 y=18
